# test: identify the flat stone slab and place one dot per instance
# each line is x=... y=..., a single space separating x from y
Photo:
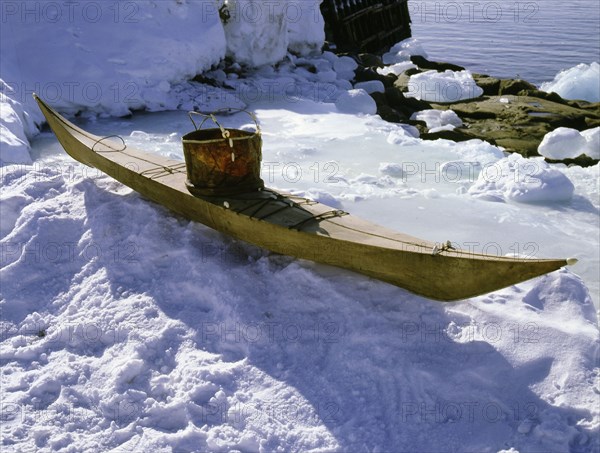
x=519 y=122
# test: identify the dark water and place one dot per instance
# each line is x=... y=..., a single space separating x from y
x=527 y=39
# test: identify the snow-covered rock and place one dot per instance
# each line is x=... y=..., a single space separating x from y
x=402 y=51
x=565 y=143
x=437 y=119
x=515 y=178
x=397 y=68
x=579 y=82
x=371 y=86
x=356 y=101
x=345 y=67
x=306 y=27
x=562 y=143
x=592 y=136
x=447 y=86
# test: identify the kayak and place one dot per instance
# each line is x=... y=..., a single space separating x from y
x=300 y=227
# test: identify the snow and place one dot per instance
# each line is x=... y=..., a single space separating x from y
x=345 y=66
x=13 y=142
x=438 y=120
x=447 y=86
x=125 y=328
x=371 y=86
x=114 y=57
x=397 y=68
x=515 y=178
x=579 y=82
x=261 y=32
x=565 y=143
x=592 y=136
x=403 y=50
x=356 y=101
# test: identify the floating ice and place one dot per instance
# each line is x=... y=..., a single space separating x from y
x=579 y=82
x=447 y=86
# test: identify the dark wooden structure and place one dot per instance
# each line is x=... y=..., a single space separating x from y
x=366 y=25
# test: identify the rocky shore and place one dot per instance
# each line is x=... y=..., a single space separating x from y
x=511 y=113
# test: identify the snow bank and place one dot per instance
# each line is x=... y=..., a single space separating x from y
x=579 y=82
x=14 y=146
x=306 y=27
x=109 y=58
x=515 y=178
x=438 y=120
x=260 y=32
x=447 y=86
x=565 y=143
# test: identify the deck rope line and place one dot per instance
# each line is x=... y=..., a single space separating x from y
x=100 y=140
x=277 y=195
x=446 y=246
x=318 y=217
x=154 y=173
x=159 y=172
x=111 y=150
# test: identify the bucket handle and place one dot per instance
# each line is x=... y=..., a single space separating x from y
x=224 y=132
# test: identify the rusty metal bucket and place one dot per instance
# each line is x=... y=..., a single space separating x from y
x=222 y=161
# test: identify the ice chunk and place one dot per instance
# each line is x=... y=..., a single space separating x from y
x=515 y=178
x=438 y=119
x=579 y=82
x=563 y=143
x=592 y=136
x=447 y=86
x=397 y=68
x=403 y=50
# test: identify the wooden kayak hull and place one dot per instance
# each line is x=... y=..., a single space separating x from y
x=302 y=228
